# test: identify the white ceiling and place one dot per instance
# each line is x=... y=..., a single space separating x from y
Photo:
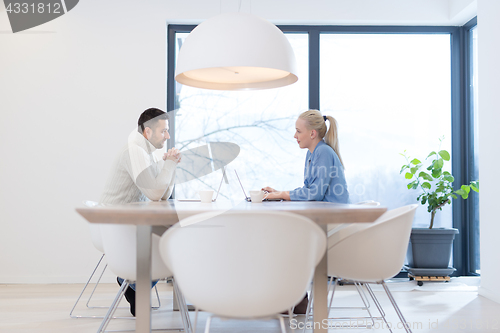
x=342 y=12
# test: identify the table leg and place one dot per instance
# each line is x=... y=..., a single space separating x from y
x=320 y=290
x=143 y=283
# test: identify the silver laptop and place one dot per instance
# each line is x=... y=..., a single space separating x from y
x=244 y=193
x=213 y=200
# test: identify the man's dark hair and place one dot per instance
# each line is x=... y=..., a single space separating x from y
x=149 y=117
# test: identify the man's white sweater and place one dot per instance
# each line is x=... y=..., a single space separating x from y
x=139 y=173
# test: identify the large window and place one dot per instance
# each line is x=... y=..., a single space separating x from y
x=389 y=93
x=390 y=88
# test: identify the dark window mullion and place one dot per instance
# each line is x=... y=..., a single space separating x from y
x=472 y=245
x=314 y=70
x=171 y=82
x=457 y=146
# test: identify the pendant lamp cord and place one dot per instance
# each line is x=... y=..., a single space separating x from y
x=239 y=7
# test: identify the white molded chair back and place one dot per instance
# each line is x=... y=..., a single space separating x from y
x=244 y=265
x=346 y=229
x=95 y=229
x=120 y=247
x=378 y=251
x=95 y=236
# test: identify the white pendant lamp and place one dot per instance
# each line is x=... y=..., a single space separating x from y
x=236 y=51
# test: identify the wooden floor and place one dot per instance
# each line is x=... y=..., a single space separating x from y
x=435 y=307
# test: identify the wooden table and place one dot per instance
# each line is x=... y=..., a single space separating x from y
x=148 y=214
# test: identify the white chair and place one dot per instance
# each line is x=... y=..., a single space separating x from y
x=374 y=254
x=95 y=237
x=335 y=234
x=251 y=265
x=120 y=247
x=335 y=228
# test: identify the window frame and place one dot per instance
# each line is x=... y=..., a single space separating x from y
x=469 y=224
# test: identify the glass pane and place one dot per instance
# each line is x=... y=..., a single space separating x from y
x=389 y=93
x=474 y=198
x=261 y=123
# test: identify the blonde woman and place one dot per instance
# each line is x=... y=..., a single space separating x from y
x=324 y=178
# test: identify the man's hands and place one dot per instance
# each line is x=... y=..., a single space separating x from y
x=172 y=154
x=268 y=189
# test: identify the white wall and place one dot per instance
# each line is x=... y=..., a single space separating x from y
x=72 y=89
x=462 y=11
x=489 y=138
x=70 y=92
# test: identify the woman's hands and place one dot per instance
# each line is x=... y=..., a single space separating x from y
x=273 y=194
x=172 y=154
x=268 y=189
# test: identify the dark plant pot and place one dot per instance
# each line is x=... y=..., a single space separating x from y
x=430 y=248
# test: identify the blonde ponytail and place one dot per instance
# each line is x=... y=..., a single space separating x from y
x=315 y=121
x=332 y=138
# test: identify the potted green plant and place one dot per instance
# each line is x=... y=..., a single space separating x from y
x=430 y=248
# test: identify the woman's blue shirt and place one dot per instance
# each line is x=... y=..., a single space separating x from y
x=324 y=178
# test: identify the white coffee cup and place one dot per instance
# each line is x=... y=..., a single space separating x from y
x=257 y=196
x=206 y=196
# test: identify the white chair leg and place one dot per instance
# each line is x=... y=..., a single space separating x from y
x=113 y=307
x=367 y=306
x=375 y=300
x=378 y=305
x=396 y=308
x=207 y=325
x=308 y=309
x=282 y=324
x=96 y=284
x=332 y=286
x=158 y=298
x=179 y=302
x=195 y=320
x=183 y=309
x=290 y=316
x=85 y=287
x=363 y=296
x=93 y=291
x=364 y=299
